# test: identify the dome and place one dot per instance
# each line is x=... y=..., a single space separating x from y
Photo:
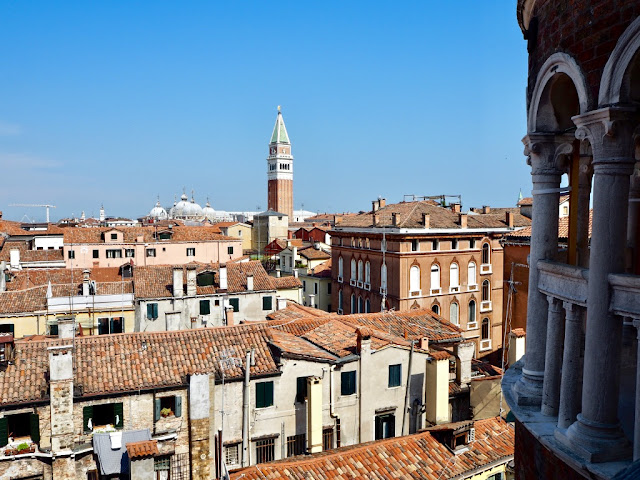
x=209 y=212
x=158 y=212
x=186 y=209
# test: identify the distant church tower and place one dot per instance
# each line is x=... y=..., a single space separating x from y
x=280 y=170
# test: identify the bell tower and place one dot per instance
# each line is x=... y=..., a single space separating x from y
x=280 y=170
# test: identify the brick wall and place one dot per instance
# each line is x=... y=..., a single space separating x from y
x=586 y=30
x=200 y=449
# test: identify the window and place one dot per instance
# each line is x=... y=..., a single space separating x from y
x=348 y=383
x=340 y=267
x=415 y=245
x=454 y=314
x=472 y=243
x=353 y=269
x=265 y=450
x=315 y=289
x=435 y=308
x=205 y=307
x=301 y=389
x=93 y=475
x=296 y=445
x=235 y=303
x=304 y=285
x=152 y=311
x=353 y=303
x=264 y=394
x=204 y=279
x=454 y=277
x=22 y=426
x=72 y=254
x=340 y=300
x=485 y=329
x=230 y=250
x=367 y=306
x=53 y=330
x=471 y=274
x=395 y=372
x=162 y=465
x=329 y=288
x=414 y=280
x=435 y=245
x=472 y=313
x=100 y=416
x=435 y=278
x=267 y=303
x=367 y=272
x=360 y=305
x=114 y=236
x=151 y=252
x=96 y=254
x=231 y=455
x=486 y=291
x=110 y=325
x=239 y=233
x=454 y=244
x=167 y=407
x=485 y=253
x=360 y=270
x=191 y=252
x=129 y=253
x=385 y=426
x=327 y=438
x=114 y=253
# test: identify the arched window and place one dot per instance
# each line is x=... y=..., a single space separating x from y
x=454 y=277
x=435 y=308
x=435 y=277
x=471 y=274
x=383 y=276
x=340 y=266
x=360 y=305
x=486 y=291
x=353 y=269
x=353 y=303
x=472 y=313
x=367 y=272
x=485 y=329
x=339 y=299
x=367 y=306
x=360 y=270
x=486 y=258
x=454 y=314
x=414 y=279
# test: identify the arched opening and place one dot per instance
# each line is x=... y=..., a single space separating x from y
x=558 y=102
x=486 y=254
x=340 y=266
x=471 y=316
x=454 y=278
x=353 y=303
x=454 y=313
x=435 y=278
x=435 y=308
x=360 y=304
x=360 y=270
x=486 y=291
x=353 y=269
x=471 y=275
x=340 y=300
x=367 y=272
x=414 y=280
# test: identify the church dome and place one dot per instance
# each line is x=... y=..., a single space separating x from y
x=188 y=210
x=158 y=212
x=209 y=212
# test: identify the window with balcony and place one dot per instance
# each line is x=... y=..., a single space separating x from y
x=486 y=291
x=471 y=276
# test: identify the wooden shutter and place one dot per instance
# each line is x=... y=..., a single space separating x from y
x=156 y=410
x=117 y=415
x=87 y=414
x=268 y=393
x=35 y=427
x=267 y=303
x=149 y=310
x=259 y=395
x=178 y=411
x=4 y=432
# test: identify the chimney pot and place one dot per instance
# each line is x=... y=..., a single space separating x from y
x=486 y=209
x=382 y=202
x=394 y=219
x=229 y=315
x=509 y=219
x=249 y=282
x=178 y=282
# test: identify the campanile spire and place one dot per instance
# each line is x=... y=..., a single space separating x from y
x=280 y=170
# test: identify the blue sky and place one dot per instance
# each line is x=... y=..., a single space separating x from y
x=118 y=102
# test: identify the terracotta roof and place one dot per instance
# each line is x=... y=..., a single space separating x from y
x=526 y=201
x=9 y=227
x=409 y=215
x=519 y=332
x=108 y=364
x=23 y=301
x=74 y=235
x=58 y=276
x=311 y=253
x=286 y=282
x=417 y=456
x=296 y=347
x=28 y=255
x=295 y=310
x=563 y=229
x=145 y=448
x=323 y=270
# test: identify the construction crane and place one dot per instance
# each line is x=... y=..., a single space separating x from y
x=47 y=206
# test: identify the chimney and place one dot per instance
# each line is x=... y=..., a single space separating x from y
x=509 y=219
x=281 y=303
x=178 y=282
x=223 y=277
x=314 y=414
x=250 y=283
x=426 y=220
x=312 y=300
x=382 y=202
x=229 y=315
x=375 y=220
x=61 y=394
x=191 y=280
x=65 y=327
x=14 y=258
x=486 y=209
x=278 y=272
x=517 y=338
x=462 y=218
x=455 y=207
x=464 y=353
x=423 y=343
x=437 y=387
x=363 y=344
x=85 y=282
x=295 y=272
x=394 y=219
x=375 y=205
x=199 y=426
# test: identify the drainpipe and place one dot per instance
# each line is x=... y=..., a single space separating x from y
x=407 y=391
x=245 y=411
x=331 y=403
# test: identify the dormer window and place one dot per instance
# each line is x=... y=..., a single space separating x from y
x=204 y=279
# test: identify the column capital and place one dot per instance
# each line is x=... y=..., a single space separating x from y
x=547 y=153
x=610 y=132
x=572 y=311
x=555 y=305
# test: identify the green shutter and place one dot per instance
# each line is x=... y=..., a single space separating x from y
x=4 y=432
x=268 y=393
x=259 y=395
x=205 y=307
x=395 y=372
x=267 y=303
x=35 y=427
x=156 y=410
x=87 y=414
x=235 y=303
x=301 y=389
x=178 y=411
x=149 y=310
x=117 y=415
x=264 y=394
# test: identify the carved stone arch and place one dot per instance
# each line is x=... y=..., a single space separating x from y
x=473 y=297
x=557 y=64
x=435 y=262
x=472 y=259
x=415 y=305
x=415 y=262
x=615 y=76
x=455 y=260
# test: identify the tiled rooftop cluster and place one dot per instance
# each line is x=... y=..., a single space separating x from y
x=131 y=234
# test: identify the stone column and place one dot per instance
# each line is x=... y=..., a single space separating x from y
x=585 y=173
x=553 y=358
x=633 y=223
x=596 y=436
x=636 y=429
x=571 y=366
x=547 y=157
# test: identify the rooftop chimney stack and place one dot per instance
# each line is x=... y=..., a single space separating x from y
x=85 y=283
x=178 y=282
x=486 y=209
x=394 y=219
x=66 y=327
x=455 y=207
x=223 y=277
x=249 y=283
x=382 y=202
x=426 y=220
x=463 y=220
x=509 y=219
x=375 y=205
x=191 y=280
